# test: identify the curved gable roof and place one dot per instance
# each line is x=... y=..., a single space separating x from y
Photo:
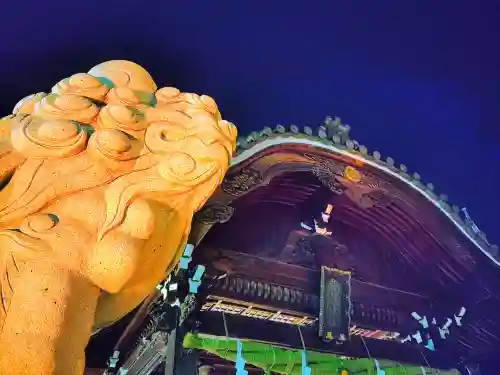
x=333 y=137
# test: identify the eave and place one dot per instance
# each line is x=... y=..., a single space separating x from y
x=256 y=142
x=480 y=277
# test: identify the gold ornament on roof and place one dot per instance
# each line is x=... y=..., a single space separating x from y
x=352 y=174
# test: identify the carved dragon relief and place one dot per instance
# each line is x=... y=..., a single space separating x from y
x=99 y=176
x=365 y=189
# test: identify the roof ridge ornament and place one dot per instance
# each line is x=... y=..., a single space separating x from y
x=334 y=126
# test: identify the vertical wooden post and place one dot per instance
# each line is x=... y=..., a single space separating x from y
x=186 y=363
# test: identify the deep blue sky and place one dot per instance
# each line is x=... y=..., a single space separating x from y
x=417 y=80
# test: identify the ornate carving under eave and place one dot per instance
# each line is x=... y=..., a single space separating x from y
x=214 y=213
x=267 y=293
x=242 y=183
x=328 y=173
x=363 y=188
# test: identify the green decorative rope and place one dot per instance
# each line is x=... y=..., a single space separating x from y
x=288 y=361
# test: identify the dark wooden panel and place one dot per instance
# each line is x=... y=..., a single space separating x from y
x=369 y=311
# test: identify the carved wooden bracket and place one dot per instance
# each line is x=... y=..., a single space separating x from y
x=242 y=183
x=214 y=213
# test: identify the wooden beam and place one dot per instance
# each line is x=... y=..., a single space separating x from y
x=287 y=335
x=275 y=284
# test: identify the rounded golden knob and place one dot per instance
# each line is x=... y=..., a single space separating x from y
x=57 y=130
x=113 y=141
x=84 y=81
x=121 y=113
x=352 y=174
x=72 y=102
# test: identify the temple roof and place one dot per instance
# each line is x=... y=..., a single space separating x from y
x=331 y=139
x=387 y=226
x=406 y=246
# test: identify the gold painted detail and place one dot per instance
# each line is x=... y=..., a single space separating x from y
x=374 y=334
x=227 y=306
x=352 y=174
x=255 y=312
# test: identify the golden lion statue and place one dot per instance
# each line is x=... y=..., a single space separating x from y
x=101 y=179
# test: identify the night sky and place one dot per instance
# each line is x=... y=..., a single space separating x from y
x=416 y=80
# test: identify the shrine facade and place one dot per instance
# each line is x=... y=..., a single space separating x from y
x=315 y=244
